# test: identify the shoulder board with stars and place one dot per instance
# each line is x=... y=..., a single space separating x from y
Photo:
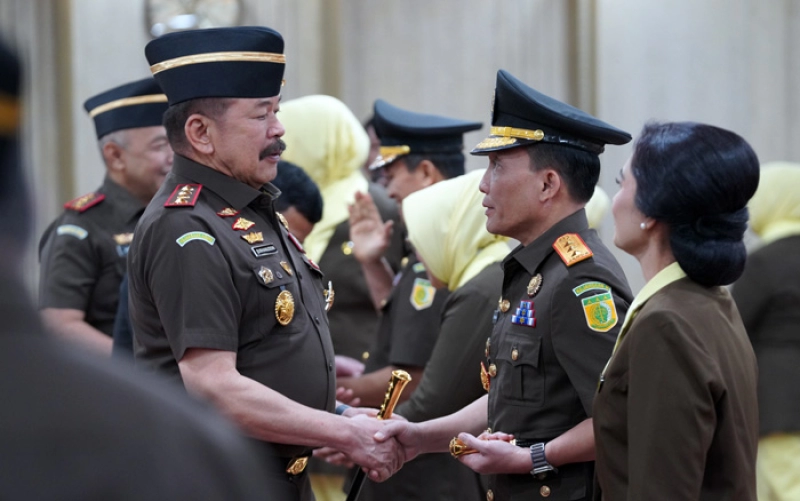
x=572 y=249
x=184 y=195
x=85 y=202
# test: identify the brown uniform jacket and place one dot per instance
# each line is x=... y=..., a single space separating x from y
x=83 y=255
x=546 y=373
x=450 y=382
x=768 y=298
x=196 y=282
x=676 y=416
x=354 y=321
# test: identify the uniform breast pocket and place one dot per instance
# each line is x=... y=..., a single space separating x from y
x=520 y=373
x=278 y=299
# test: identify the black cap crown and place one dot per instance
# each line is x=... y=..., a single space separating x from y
x=402 y=132
x=523 y=116
x=245 y=61
x=136 y=104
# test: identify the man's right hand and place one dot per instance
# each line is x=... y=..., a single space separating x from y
x=369 y=234
x=379 y=459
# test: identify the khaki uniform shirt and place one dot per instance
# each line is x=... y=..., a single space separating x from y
x=676 y=416
x=548 y=348
x=768 y=298
x=196 y=282
x=83 y=256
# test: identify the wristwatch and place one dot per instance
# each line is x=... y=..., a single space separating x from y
x=540 y=464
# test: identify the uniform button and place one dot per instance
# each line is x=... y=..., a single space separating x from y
x=505 y=304
x=383 y=303
x=347 y=248
x=316 y=319
x=489 y=495
x=330 y=367
x=365 y=355
x=514 y=354
x=493 y=370
x=544 y=491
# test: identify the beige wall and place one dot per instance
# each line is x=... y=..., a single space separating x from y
x=728 y=62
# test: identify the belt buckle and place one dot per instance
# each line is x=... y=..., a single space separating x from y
x=297 y=465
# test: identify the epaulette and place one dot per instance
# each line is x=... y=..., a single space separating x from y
x=572 y=248
x=184 y=195
x=85 y=202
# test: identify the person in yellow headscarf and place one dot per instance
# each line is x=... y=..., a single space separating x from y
x=330 y=144
x=768 y=298
x=447 y=227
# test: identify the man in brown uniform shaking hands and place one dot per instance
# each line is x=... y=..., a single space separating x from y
x=222 y=295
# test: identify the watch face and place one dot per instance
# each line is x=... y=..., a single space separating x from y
x=164 y=16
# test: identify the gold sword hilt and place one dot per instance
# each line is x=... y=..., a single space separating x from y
x=398 y=381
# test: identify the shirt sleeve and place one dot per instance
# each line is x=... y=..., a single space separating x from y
x=70 y=265
x=671 y=412
x=414 y=332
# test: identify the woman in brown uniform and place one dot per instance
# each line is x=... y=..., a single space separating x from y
x=676 y=415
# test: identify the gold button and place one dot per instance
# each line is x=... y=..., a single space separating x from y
x=489 y=495
x=347 y=248
x=404 y=262
x=493 y=370
x=383 y=303
x=505 y=304
x=514 y=354
x=544 y=491
x=488 y=344
x=365 y=355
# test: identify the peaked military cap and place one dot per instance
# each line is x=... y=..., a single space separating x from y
x=523 y=116
x=402 y=132
x=245 y=61
x=136 y=104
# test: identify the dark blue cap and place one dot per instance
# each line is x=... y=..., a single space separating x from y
x=522 y=116
x=244 y=62
x=402 y=132
x=136 y=104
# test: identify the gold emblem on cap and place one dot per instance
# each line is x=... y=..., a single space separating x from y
x=266 y=275
x=534 y=285
x=128 y=101
x=286 y=267
x=254 y=237
x=242 y=224
x=459 y=448
x=533 y=135
x=495 y=142
x=283 y=220
x=284 y=308
x=218 y=57
x=504 y=305
x=329 y=296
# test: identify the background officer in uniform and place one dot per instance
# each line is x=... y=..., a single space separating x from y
x=83 y=252
x=300 y=202
x=562 y=302
x=223 y=296
x=417 y=150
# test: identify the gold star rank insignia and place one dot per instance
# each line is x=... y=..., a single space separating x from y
x=184 y=195
x=572 y=248
x=228 y=212
x=284 y=308
x=534 y=285
x=242 y=224
x=254 y=237
x=84 y=202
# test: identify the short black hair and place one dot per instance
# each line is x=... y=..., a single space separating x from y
x=580 y=169
x=697 y=179
x=176 y=115
x=298 y=191
x=450 y=165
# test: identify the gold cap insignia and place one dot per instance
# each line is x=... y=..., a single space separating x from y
x=283 y=220
x=266 y=275
x=286 y=267
x=572 y=248
x=228 y=212
x=242 y=224
x=534 y=285
x=254 y=237
x=284 y=308
x=459 y=448
x=329 y=296
x=123 y=238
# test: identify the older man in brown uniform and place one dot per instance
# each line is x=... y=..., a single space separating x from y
x=222 y=294
x=83 y=252
x=563 y=299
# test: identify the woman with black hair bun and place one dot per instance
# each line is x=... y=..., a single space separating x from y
x=676 y=414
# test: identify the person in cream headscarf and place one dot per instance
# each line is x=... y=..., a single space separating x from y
x=768 y=298
x=330 y=144
x=447 y=227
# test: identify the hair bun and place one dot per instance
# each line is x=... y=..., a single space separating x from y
x=728 y=226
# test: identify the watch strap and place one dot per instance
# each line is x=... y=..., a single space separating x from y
x=540 y=464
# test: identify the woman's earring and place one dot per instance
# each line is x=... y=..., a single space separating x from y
x=643 y=225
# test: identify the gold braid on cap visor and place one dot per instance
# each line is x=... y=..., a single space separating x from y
x=128 y=101
x=218 y=57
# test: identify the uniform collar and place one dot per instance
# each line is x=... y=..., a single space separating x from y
x=531 y=256
x=123 y=199
x=237 y=194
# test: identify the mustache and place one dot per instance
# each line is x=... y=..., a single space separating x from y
x=275 y=148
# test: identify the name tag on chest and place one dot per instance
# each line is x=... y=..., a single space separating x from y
x=264 y=250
